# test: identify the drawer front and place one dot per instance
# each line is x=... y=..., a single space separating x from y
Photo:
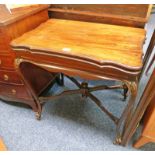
x=4 y=40
x=10 y=77
x=15 y=91
x=3 y=43
x=6 y=62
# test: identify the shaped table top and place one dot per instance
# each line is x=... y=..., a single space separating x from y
x=101 y=43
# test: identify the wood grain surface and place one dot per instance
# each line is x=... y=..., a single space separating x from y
x=99 y=42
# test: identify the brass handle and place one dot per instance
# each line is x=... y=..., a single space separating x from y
x=6 y=77
x=0 y=61
x=13 y=91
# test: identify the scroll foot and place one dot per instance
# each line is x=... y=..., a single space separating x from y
x=38 y=115
x=117 y=141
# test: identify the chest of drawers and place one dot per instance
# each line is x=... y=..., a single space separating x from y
x=13 y=25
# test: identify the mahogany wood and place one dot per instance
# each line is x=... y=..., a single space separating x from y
x=41 y=78
x=6 y=62
x=100 y=43
x=96 y=63
x=13 y=25
x=14 y=91
x=88 y=50
x=10 y=77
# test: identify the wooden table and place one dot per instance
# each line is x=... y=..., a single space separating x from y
x=91 y=51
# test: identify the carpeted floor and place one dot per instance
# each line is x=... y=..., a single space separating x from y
x=68 y=123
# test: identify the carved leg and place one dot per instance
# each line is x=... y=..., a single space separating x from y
x=133 y=90
x=141 y=141
x=33 y=106
x=127 y=113
x=38 y=113
x=37 y=108
x=36 y=105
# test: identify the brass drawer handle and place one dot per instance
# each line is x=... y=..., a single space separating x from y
x=13 y=91
x=6 y=77
x=0 y=61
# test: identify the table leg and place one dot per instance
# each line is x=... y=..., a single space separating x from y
x=144 y=101
x=133 y=91
x=36 y=106
x=127 y=113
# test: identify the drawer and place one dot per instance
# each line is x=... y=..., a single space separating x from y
x=15 y=91
x=10 y=77
x=6 y=62
x=3 y=43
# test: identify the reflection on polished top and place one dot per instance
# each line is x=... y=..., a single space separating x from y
x=92 y=41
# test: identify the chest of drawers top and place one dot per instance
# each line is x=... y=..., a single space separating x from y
x=7 y=18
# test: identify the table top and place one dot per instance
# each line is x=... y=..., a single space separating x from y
x=101 y=43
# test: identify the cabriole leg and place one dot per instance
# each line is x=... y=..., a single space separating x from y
x=127 y=113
